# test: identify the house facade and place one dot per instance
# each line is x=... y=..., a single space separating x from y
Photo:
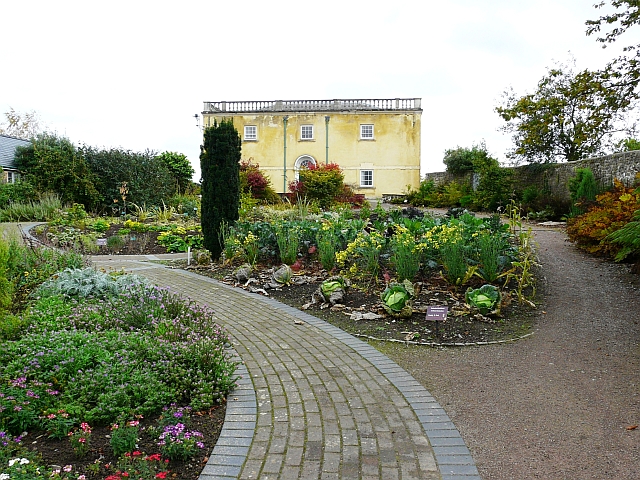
x=9 y=172
x=376 y=142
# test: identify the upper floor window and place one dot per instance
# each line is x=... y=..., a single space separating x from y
x=250 y=132
x=306 y=132
x=366 y=132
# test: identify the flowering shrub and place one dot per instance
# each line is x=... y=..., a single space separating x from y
x=178 y=443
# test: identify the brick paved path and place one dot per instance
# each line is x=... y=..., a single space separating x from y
x=314 y=402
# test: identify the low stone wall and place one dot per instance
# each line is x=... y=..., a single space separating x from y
x=554 y=178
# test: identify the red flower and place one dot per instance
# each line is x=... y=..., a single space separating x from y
x=155 y=457
x=162 y=475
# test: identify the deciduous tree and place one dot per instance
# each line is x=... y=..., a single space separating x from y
x=20 y=125
x=570 y=116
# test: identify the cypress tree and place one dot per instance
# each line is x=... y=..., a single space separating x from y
x=220 y=167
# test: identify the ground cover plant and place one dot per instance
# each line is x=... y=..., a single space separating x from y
x=75 y=399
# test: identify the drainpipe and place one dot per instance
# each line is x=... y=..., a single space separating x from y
x=326 y=128
x=285 y=119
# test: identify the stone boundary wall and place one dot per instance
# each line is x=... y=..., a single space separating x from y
x=554 y=178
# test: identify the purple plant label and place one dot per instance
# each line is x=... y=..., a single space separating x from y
x=437 y=314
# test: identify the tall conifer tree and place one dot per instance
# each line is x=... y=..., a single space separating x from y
x=220 y=167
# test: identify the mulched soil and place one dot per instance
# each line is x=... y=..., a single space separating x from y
x=462 y=326
x=60 y=453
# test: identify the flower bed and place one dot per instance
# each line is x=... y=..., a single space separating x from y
x=71 y=375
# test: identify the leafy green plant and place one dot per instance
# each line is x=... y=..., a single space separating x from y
x=57 y=423
x=583 y=189
x=486 y=298
x=327 y=240
x=490 y=248
x=124 y=436
x=628 y=238
x=288 y=238
x=331 y=285
x=404 y=254
x=396 y=299
x=452 y=256
x=115 y=243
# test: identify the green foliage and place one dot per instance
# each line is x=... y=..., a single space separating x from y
x=45 y=209
x=148 y=179
x=322 y=183
x=288 y=238
x=491 y=247
x=448 y=194
x=474 y=159
x=485 y=298
x=583 y=190
x=180 y=169
x=327 y=241
x=219 y=161
x=54 y=164
x=124 y=436
x=18 y=192
x=495 y=188
x=611 y=211
x=396 y=299
x=88 y=282
x=570 y=116
x=628 y=238
x=405 y=256
x=628 y=145
x=6 y=286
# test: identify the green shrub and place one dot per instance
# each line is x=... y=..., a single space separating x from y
x=583 y=190
x=322 y=183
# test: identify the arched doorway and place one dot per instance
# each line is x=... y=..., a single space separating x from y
x=303 y=161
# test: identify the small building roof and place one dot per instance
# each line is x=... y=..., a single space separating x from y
x=8 y=147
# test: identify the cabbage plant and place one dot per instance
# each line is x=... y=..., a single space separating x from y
x=396 y=299
x=486 y=298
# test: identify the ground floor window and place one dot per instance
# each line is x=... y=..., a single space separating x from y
x=366 y=178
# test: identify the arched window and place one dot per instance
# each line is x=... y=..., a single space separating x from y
x=303 y=162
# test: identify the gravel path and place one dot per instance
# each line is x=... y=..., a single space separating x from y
x=558 y=404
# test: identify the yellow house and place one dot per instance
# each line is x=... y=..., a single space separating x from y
x=376 y=143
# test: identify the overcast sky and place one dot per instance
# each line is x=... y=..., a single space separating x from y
x=133 y=73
